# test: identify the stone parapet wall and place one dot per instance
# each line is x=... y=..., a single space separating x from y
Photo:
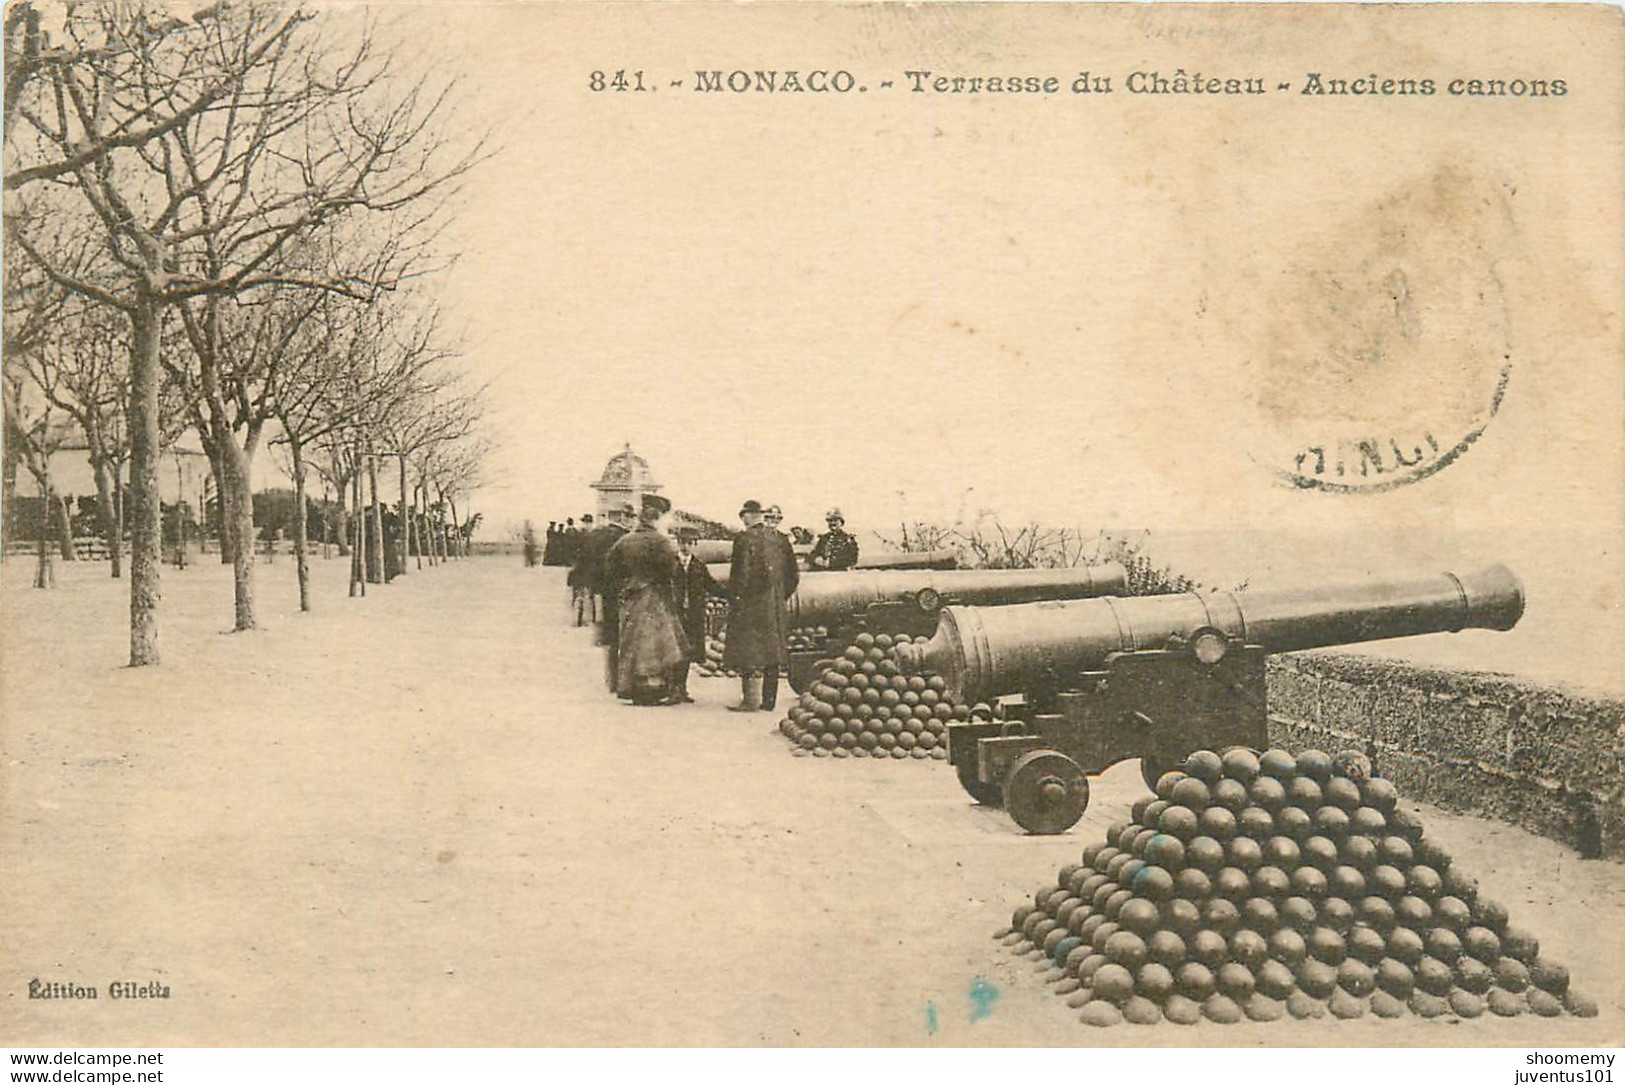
x=1547 y=759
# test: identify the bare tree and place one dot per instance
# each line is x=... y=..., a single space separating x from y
x=204 y=150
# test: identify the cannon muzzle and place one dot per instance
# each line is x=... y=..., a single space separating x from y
x=983 y=652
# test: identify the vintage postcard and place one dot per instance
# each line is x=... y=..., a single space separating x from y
x=831 y=525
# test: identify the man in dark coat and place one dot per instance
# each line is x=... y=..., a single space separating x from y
x=649 y=643
x=584 y=567
x=594 y=548
x=835 y=549
x=760 y=580
x=691 y=586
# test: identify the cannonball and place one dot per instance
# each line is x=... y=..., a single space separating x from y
x=1113 y=982
x=1412 y=911
x=1101 y=1014
x=1248 y=948
x=1427 y=1005
x=1482 y=943
x=1195 y=981
x=1406 y=946
x=1245 y=853
x=1255 y=822
x=1331 y=822
x=1336 y=913
x=1503 y=1003
x=1315 y=978
x=1271 y=881
x=1443 y=944
x=1181 y=1011
x=1275 y=979
x=1434 y=976
x=1549 y=976
x=1217 y=822
x=1305 y=1007
x=1319 y=852
x=1305 y=793
x=1453 y=913
x=1395 y=977
x=1466 y=1004
x=1343 y=793
x=1376 y=913
x=1511 y=975
x=1141 y=1011
x=1327 y=945
x=1346 y=1006
x=1183 y=917
x=1241 y=764
x=1288 y=947
x=1260 y=1007
x=1356 y=977
x=1543 y=1002
x=1359 y=851
x=1368 y=821
x=1520 y=944
x=1295 y=822
x=1126 y=948
x=1579 y=1005
x=1489 y=913
x=1309 y=882
x=1367 y=945
x=1208 y=948
x=1386 y=1005
x=1154 y=981
x=1235 y=980
x=1221 y=1010
x=1178 y=822
x=1205 y=853
x=1166 y=948
x=1299 y=913
x=1260 y=914
x=1205 y=765
x=1192 y=884
x=1232 y=884
x=1230 y=794
x=1277 y=763
x=1139 y=916
x=1268 y=793
x=1165 y=850
x=1190 y=793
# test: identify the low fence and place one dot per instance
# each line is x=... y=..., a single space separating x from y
x=1544 y=758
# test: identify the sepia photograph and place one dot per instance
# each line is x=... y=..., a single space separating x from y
x=553 y=525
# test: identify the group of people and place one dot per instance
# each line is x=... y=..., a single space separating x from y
x=563 y=540
x=648 y=598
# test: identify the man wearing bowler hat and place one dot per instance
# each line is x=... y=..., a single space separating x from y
x=760 y=580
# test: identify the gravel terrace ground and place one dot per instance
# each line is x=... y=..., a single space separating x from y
x=418 y=819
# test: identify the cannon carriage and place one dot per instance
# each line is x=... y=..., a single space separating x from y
x=1155 y=677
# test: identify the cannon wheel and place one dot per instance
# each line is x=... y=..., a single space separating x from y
x=986 y=794
x=1046 y=792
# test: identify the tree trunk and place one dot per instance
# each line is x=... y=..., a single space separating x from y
x=146 y=528
x=224 y=494
x=45 y=572
x=64 y=527
x=456 y=531
x=375 y=526
x=238 y=506
x=118 y=517
x=109 y=517
x=405 y=529
x=358 y=553
x=301 y=563
x=341 y=518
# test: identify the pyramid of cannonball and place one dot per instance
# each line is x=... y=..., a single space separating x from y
x=864 y=706
x=711 y=666
x=1266 y=886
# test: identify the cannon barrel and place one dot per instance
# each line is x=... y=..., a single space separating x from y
x=822 y=598
x=717 y=552
x=983 y=652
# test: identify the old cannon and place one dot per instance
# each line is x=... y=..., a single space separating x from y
x=1156 y=676
x=907 y=601
x=719 y=551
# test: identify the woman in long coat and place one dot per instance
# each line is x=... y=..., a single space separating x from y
x=650 y=643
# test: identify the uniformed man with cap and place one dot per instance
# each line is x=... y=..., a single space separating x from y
x=835 y=549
